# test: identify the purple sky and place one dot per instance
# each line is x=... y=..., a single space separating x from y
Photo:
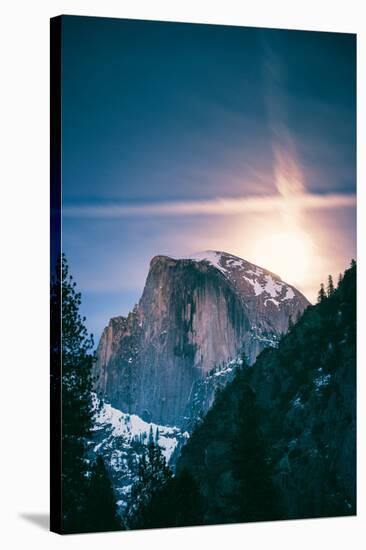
x=179 y=138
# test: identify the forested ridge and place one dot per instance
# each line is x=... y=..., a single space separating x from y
x=280 y=439
x=278 y=443
x=87 y=497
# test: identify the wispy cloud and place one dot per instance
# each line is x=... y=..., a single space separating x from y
x=287 y=169
x=216 y=206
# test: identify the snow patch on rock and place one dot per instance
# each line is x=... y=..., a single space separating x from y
x=131 y=426
x=233 y=267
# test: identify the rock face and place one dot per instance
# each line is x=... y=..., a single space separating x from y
x=195 y=315
x=305 y=413
x=120 y=438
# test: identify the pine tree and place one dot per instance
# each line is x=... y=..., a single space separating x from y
x=75 y=347
x=178 y=504
x=101 y=512
x=186 y=505
x=153 y=474
x=340 y=278
x=151 y=436
x=321 y=294
x=77 y=408
x=254 y=498
x=330 y=287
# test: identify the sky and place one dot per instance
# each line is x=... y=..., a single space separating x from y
x=178 y=138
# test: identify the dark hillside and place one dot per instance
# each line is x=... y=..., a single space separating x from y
x=280 y=439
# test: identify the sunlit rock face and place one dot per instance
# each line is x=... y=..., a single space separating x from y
x=195 y=316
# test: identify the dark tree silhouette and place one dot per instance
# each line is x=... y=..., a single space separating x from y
x=101 y=512
x=185 y=505
x=77 y=410
x=178 y=503
x=321 y=294
x=75 y=347
x=254 y=498
x=275 y=453
x=153 y=474
x=330 y=287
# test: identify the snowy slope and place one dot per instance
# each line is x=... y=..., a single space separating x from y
x=246 y=276
x=119 y=438
x=132 y=428
x=195 y=314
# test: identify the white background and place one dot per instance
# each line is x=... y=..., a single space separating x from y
x=24 y=242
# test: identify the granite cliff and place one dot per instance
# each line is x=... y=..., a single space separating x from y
x=302 y=419
x=195 y=316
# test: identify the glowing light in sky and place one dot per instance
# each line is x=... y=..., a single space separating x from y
x=287 y=254
x=285 y=247
x=288 y=250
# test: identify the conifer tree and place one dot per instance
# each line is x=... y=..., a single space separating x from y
x=330 y=287
x=75 y=347
x=77 y=408
x=101 y=512
x=153 y=474
x=178 y=504
x=321 y=294
x=151 y=436
x=254 y=498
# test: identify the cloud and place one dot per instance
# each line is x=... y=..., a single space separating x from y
x=213 y=207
